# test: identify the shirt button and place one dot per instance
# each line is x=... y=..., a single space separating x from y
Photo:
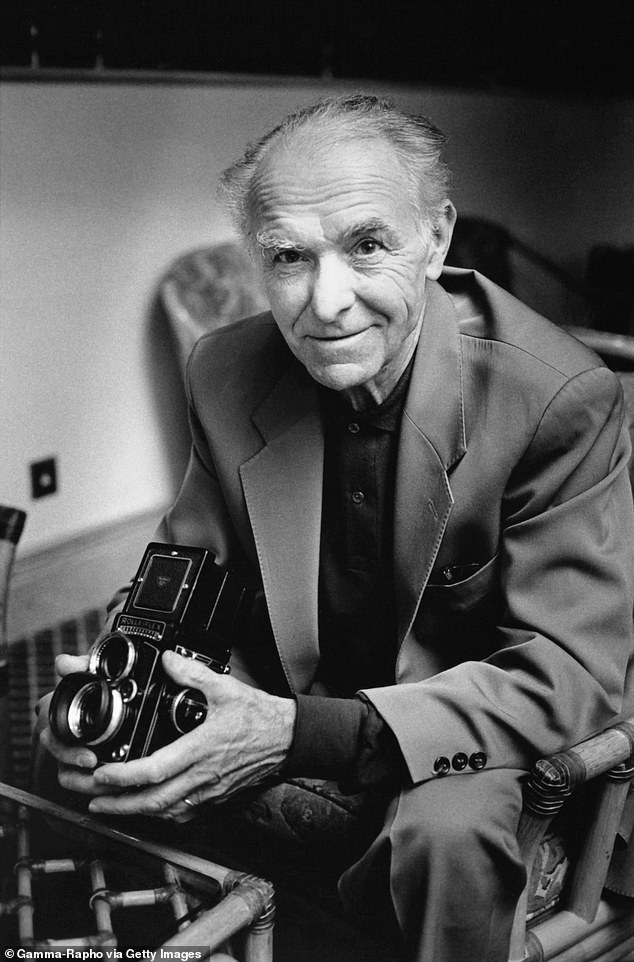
x=441 y=765
x=477 y=761
x=459 y=761
x=354 y=427
x=358 y=497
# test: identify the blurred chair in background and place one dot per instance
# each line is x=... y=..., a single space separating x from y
x=208 y=288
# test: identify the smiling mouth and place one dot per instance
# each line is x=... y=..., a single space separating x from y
x=337 y=337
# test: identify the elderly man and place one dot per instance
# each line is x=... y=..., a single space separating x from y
x=429 y=483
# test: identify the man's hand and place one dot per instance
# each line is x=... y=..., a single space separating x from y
x=245 y=737
x=75 y=763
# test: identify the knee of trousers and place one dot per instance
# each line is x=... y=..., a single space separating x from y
x=462 y=826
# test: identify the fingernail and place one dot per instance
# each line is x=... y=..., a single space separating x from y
x=86 y=761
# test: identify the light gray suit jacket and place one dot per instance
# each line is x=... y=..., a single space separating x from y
x=513 y=533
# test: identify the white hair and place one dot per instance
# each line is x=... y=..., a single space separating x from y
x=416 y=141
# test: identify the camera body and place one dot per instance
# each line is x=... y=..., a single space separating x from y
x=124 y=706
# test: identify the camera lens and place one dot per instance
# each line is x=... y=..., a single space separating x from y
x=84 y=710
x=188 y=709
x=113 y=656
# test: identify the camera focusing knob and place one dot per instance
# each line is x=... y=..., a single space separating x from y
x=188 y=709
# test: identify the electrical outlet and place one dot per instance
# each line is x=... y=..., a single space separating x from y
x=43 y=477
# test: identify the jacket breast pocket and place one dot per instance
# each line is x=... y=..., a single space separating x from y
x=462 y=588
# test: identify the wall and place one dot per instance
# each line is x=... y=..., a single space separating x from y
x=102 y=185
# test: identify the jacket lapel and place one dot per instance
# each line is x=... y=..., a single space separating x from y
x=432 y=440
x=282 y=485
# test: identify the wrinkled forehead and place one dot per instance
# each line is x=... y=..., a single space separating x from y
x=326 y=179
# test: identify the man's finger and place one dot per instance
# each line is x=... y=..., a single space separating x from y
x=167 y=762
x=42 y=706
x=77 y=756
x=75 y=780
x=65 y=664
x=165 y=800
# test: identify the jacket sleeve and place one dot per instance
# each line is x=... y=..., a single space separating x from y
x=562 y=645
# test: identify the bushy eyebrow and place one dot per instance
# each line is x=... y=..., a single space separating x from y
x=270 y=241
x=375 y=225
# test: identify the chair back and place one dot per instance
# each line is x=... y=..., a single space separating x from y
x=208 y=288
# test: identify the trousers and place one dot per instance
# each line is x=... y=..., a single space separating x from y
x=446 y=865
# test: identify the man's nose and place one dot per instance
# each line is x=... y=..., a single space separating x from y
x=332 y=289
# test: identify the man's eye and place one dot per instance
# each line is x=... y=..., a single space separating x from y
x=368 y=246
x=287 y=257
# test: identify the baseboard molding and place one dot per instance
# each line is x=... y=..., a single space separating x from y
x=76 y=575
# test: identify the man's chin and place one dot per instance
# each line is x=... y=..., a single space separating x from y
x=340 y=377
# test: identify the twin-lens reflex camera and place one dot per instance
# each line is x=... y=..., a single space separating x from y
x=125 y=706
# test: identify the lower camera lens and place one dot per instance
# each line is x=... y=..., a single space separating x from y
x=113 y=656
x=188 y=710
x=84 y=710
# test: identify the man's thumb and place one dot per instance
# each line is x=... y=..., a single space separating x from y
x=186 y=671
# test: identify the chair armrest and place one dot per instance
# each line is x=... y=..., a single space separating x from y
x=554 y=778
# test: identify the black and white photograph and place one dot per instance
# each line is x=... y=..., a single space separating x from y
x=316 y=515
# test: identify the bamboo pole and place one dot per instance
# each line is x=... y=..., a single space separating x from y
x=23 y=880
x=100 y=905
x=178 y=901
x=250 y=902
x=565 y=932
x=203 y=867
x=594 y=860
x=608 y=945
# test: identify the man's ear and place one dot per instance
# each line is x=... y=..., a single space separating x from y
x=440 y=240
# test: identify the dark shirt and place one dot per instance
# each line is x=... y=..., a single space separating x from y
x=357 y=620
x=344 y=737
